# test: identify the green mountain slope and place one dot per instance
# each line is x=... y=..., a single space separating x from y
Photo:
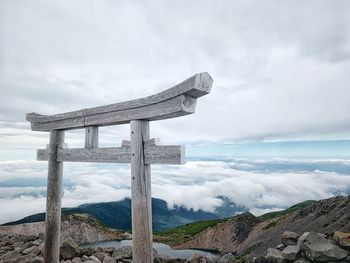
x=118 y=214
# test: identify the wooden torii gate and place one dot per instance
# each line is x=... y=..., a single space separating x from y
x=140 y=151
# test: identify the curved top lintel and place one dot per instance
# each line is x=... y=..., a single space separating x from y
x=193 y=88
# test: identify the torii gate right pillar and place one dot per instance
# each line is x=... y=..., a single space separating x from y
x=141 y=194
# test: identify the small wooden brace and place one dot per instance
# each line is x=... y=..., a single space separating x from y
x=91 y=137
x=154 y=154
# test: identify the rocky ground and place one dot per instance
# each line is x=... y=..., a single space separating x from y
x=316 y=233
x=29 y=249
x=82 y=228
x=244 y=234
x=308 y=247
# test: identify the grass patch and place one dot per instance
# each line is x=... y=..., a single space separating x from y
x=184 y=233
x=291 y=209
x=240 y=258
x=272 y=224
x=192 y=228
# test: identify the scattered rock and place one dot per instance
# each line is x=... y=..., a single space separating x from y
x=37 y=260
x=291 y=252
x=93 y=258
x=302 y=260
x=123 y=252
x=88 y=251
x=260 y=259
x=302 y=238
x=228 y=258
x=69 y=249
x=76 y=260
x=32 y=250
x=317 y=247
x=196 y=258
x=343 y=239
x=109 y=259
x=275 y=256
x=41 y=236
x=100 y=255
x=212 y=258
x=280 y=247
x=289 y=238
x=85 y=258
x=109 y=250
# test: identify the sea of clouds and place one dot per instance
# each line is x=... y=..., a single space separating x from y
x=255 y=184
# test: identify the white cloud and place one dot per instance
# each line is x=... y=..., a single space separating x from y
x=280 y=72
x=195 y=185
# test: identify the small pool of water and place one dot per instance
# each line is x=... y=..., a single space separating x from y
x=160 y=247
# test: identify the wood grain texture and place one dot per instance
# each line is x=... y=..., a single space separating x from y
x=142 y=237
x=175 y=107
x=150 y=142
x=162 y=154
x=53 y=199
x=195 y=87
x=91 y=137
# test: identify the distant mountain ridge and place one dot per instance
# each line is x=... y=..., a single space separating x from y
x=118 y=214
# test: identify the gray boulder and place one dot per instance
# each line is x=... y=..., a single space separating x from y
x=260 y=259
x=301 y=239
x=37 y=260
x=291 y=252
x=212 y=258
x=289 y=238
x=228 y=258
x=69 y=249
x=317 y=247
x=302 y=260
x=100 y=255
x=95 y=259
x=109 y=259
x=196 y=258
x=123 y=253
x=280 y=247
x=274 y=255
x=88 y=251
x=31 y=250
x=76 y=260
x=175 y=260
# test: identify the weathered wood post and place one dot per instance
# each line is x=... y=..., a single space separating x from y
x=53 y=199
x=141 y=194
x=140 y=151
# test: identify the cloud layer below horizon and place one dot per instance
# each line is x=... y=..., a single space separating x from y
x=196 y=185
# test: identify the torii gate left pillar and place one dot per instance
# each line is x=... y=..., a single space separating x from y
x=140 y=151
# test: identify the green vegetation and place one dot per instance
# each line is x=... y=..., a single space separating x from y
x=181 y=234
x=291 y=209
x=271 y=224
x=184 y=233
x=117 y=215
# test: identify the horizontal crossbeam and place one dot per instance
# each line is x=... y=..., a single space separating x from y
x=174 y=102
x=164 y=154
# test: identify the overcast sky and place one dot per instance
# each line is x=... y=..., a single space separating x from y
x=280 y=68
x=281 y=73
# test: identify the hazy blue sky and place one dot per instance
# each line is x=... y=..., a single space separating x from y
x=281 y=89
